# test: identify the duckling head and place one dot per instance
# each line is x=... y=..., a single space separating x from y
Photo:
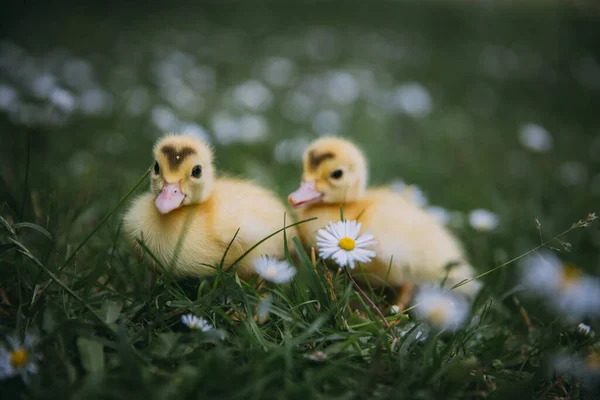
x=183 y=172
x=335 y=171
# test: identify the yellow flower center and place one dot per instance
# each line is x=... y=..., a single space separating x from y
x=18 y=358
x=570 y=274
x=347 y=243
x=271 y=271
x=437 y=314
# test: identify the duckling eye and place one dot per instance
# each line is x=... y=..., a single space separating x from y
x=156 y=167
x=337 y=174
x=196 y=171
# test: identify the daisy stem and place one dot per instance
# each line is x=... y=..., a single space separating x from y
x=377 y=310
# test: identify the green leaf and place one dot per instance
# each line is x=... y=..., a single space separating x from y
x=32 y=226
x=91 y=354
x=111 y=310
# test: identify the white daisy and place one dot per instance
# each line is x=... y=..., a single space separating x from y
x=410 y=192
x=535 y=138
x=395 y=310
x=18 y=358
x=442 y=215
x=264 y=308
x=193 y=322
x=416 y=195
x=272 y=270
x=340 y=241
x=442 y=308
x=584 y=329
x=565 y=286
x=483 y=220
x=317 y=356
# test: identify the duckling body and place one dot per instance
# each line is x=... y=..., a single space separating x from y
x=412 y=247
x=417 y=245
x=208 y=224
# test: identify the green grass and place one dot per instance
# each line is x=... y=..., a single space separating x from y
x=109 y=328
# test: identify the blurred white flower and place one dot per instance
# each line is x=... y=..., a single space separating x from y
x=195 y=130
x=327 y=122
x=410 y=192
x=202 y=78
x=416 y=195
x=273 y=270
x=138 y=100
x=114 y=144
x=535 y=138
x=398 y=185
x=442 y=308
x=264 y=308
x=78 y=73
x=317 y=356
x=42 y=85
x=183 y=99
x=279 y=71
x=584 y=329
x=253 y=95
x=342 y=88
x=18 y=358
x=483 y=220
x=442 y=215
x=564 y=286
x=95 y=102
x=587 y=368
x=225 y=128
x=341 y=241
x=298 y=107
x=572 y=173
x=253 y=128
x=164 y=118
x=62 y=99
x=193 y=322
x=8 y=97
x=413 y=99
x=291 y=150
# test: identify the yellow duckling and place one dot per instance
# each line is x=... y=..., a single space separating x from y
x=419 y=248
x=188 y=203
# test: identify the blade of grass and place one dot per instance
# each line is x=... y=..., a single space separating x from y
x=27 y=253
x=103 y=220
x=368 y=300
x=465 y=281
x=240 y=258
x=228 y=247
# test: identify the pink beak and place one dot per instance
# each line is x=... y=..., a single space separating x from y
x=169 y=198
x=307 y=194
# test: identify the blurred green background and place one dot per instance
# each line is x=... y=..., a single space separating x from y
x=481 y=104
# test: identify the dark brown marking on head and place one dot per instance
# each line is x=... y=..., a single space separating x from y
x=174 y=157
x=315 y=159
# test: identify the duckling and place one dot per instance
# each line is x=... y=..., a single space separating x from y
x=188 y=203
x=412 y=247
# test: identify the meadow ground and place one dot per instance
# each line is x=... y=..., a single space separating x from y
x=482 y=107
